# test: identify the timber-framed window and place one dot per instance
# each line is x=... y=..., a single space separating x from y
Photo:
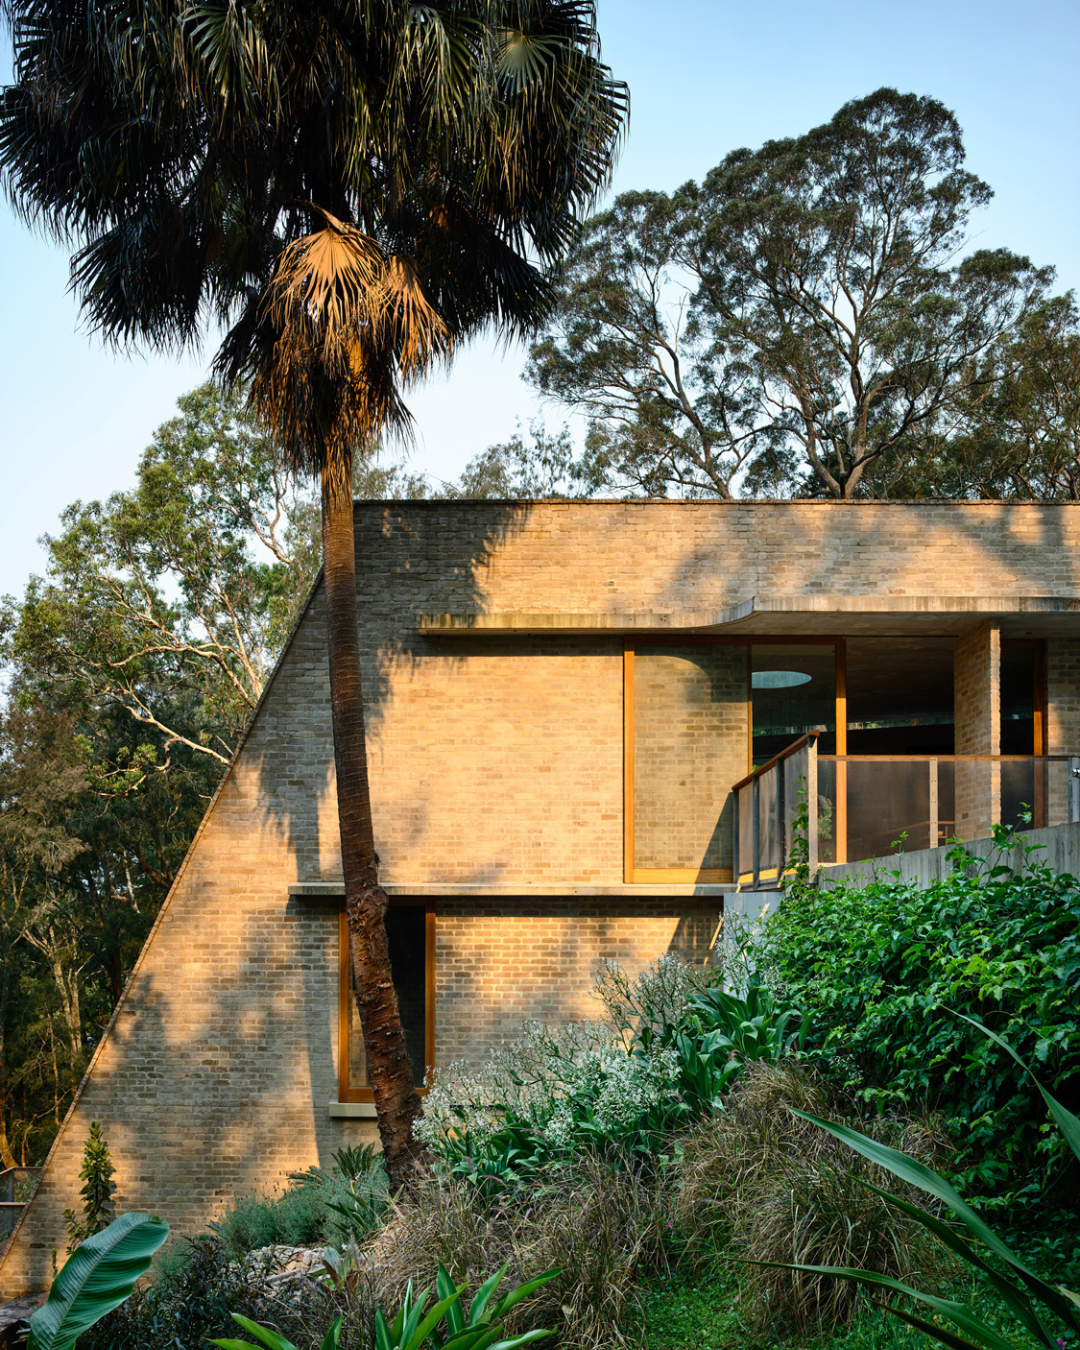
x=702 y=712
x=698 y=713
x=410 y=930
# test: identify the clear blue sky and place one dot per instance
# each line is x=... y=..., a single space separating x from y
x=704 y=79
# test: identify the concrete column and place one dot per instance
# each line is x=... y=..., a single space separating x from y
x=977 y=716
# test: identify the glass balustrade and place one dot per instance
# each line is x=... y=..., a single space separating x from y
x=862 y=806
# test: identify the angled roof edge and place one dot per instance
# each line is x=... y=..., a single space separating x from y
x=165 y=904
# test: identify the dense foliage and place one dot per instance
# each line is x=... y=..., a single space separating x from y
x=882 y=968
x=668 y=1047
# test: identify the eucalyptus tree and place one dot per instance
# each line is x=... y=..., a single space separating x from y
x=348 y=190
x=171 y=600
x=795 y=321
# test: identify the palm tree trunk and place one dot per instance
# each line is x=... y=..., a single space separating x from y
x=389 y=1070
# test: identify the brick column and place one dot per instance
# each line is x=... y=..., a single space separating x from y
x=1062 y=720
x=977 y=715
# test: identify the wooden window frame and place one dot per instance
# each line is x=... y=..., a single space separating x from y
x=1040 y=693
x=708 y=875
x=347 y=1093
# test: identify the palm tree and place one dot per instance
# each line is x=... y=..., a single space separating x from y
x=347 y=188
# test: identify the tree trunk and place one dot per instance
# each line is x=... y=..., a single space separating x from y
x=389 y=1071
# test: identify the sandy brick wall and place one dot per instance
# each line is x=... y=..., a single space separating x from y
x=691 y=732
x=494 y=760
x=500 y=963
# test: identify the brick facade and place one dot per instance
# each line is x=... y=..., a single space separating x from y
x=497 y=777
x=977 y=712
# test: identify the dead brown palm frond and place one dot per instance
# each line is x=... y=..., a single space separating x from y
x=341 y=330
x=774 y=1188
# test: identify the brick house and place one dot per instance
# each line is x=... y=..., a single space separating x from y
x=561 y=697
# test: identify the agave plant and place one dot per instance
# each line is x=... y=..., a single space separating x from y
x=1027 y=1297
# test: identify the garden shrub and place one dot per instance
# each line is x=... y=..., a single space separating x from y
x=602 y=1222
x=668 y=1046
x=770 y=1187
x=880 y=968
x=317 y=1207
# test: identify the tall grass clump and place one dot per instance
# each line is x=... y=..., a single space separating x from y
x=768 y=1187
x=602 y=1223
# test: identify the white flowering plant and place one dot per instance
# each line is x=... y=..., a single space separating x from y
x=659 y=1055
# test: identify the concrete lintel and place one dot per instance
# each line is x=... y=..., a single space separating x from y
x=836 y=612
x=332 y=890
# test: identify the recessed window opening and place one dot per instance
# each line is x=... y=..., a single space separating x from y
x=410 y=933
x=900 y=696
x=793 y=691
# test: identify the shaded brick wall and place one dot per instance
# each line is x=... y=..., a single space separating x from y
x=500 y=963
x=691 y=731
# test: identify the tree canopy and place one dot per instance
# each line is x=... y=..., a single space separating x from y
x=803 y=321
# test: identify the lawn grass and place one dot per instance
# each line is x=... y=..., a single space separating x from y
x=700 y=1311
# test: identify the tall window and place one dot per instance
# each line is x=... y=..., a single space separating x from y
x=686 y=737
x=410 y=930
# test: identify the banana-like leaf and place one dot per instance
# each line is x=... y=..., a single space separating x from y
x=96 y=1278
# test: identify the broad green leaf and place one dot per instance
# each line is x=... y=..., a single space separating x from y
x=1067 y=1123
x=96 y=1278
x=478 y=1307
x=515 y=1296
x=333 y=1336
x=269 y=1337
x=435 y=1316
x=444 y=1287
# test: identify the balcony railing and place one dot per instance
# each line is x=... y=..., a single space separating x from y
x=866 y=806
x=17 y=1185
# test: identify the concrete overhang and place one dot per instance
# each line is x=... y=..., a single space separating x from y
x=1034 y=615
x=335 y=890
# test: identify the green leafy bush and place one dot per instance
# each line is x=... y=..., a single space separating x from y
x=317 y=1207
x=877 y=967
x=1034 y=1309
